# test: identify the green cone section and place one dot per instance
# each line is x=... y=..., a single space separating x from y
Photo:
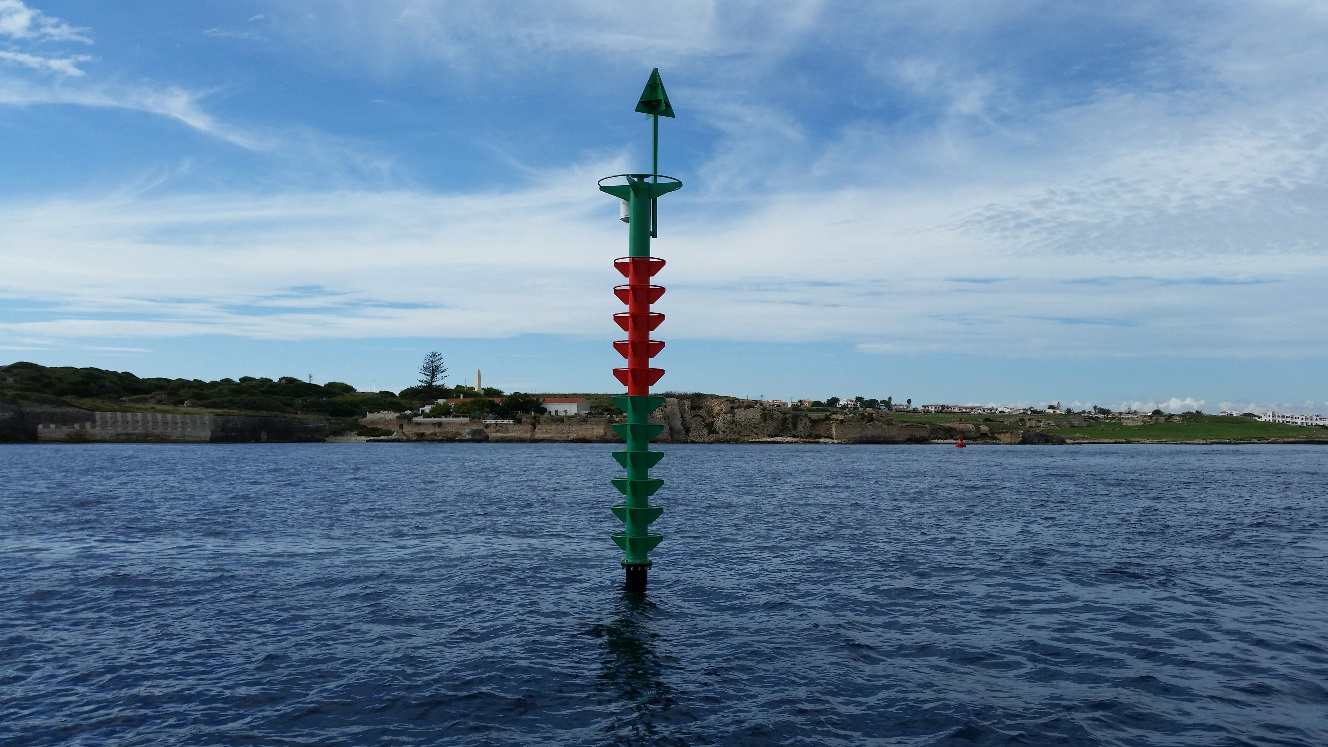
x=644 y=488
x=638 y=409
x=636 y=433
x=637 y=547
x=637 y=515
x=638 y=461
x=636 y=512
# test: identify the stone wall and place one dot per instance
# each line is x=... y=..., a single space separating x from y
x=21 y=421
x=130 y=426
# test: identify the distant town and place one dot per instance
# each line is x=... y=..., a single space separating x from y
x=452 y=407
x=1103 y=413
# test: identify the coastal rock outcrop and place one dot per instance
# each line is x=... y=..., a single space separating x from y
x=694 y=419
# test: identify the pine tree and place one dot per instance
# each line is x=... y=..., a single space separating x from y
x=432 y=371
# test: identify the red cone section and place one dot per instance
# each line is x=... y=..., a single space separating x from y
x=625 y=293
x=638 y=322
x=638 y=270
x=644 y=350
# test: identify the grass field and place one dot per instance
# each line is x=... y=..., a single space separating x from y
x=1193 y=428
x=1190 y=427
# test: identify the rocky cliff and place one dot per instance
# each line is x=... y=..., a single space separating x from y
x=722 y=420
x=686 y=420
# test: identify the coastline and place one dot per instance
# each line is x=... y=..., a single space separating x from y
x=696 y=419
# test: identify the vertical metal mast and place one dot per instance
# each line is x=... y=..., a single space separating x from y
x=640 y=192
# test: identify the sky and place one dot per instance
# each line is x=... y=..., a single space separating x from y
x=1026 y=202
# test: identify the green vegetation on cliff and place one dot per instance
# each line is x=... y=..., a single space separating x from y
x=98 y=389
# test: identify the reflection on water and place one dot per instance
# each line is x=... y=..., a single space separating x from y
x=631 y=669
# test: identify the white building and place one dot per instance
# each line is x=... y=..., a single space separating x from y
x=565 y=405
x=1274 y=417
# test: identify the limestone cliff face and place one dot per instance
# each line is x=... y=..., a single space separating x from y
x=543 y=428
x=687 y=420
x=259 y=428
x=720 y=420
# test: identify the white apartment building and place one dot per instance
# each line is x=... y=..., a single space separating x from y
x=1274 y=417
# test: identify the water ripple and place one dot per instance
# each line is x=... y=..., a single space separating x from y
x=467 y=594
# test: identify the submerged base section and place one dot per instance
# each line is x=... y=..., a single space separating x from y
x=636 y=577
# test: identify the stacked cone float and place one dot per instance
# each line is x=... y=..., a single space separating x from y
x=636 y=511
x=639 y=193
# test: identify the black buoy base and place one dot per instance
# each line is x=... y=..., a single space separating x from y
x=636 y=577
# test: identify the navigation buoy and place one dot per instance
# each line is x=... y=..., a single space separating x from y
x=960 y=430
x=639 y=193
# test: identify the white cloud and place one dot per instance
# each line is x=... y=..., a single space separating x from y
x=64 y=65
x=18 y=21
x=177 y=104
x=489 y=37
x=1174 y=404
x=388 y=264
x=1196 y=189
x=538 y=260
x=220 y=33
x=1307 y=407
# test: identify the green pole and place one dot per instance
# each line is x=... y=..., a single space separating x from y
x=654 y=169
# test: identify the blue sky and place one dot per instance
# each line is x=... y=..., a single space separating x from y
x=1022 y=202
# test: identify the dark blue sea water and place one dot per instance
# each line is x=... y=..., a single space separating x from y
x=453 y=594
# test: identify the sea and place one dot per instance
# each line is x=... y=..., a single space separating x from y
x=469 y=594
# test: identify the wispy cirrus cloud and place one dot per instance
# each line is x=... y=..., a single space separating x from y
x=29 y=33
x=178 y=104
x=481 y=38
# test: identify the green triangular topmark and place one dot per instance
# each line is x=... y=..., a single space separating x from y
x=654 y=99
